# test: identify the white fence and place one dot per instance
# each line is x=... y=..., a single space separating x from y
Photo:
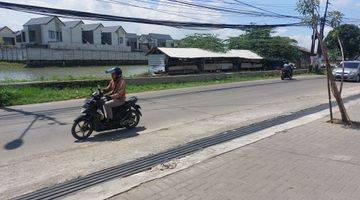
x=45 y=54
x=13 y=54
x=99 y=47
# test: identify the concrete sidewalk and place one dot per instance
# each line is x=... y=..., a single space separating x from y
x=314 y=161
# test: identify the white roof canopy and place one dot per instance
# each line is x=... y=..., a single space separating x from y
x=200 y=53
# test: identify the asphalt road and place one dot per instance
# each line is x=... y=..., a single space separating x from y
x=31 y=136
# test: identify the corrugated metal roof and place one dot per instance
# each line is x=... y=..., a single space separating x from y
x=131 y=35
x=39 y=21
x=91 y=27
x=6 y=27
x=247 y=54
x=160 y=36
x=72 y=24
x=111 y=29
x=200 y=53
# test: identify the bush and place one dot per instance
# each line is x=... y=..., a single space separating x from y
x=6 y=97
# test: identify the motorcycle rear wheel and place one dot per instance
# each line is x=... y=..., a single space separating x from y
x=82 y=129
x=133 y=119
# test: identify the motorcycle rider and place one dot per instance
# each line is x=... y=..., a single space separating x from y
x=115 y=92
x=289 y=69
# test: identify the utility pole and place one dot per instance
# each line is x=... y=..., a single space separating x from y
x=313 y=36
x=321 y=36
x=322 y=27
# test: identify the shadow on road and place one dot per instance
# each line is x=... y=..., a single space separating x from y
x=18 y=142
x=115 y=135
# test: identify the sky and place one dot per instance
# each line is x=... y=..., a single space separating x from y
x=161 y=9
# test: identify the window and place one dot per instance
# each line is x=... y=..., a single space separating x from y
x=23 y=36
x=18 y=38
x=32 y=36
x=55 y=35
x=9 y=40
x=59 y=36
x=120 y=40
x=52 y=34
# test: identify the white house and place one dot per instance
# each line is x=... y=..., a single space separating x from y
x=132 y=41
x=43 y=30
x=7 y=36
x=91 y=33
x=72 y=32
x=113 y=35
x=151 y=40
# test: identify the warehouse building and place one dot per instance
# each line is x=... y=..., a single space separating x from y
x=193 y=60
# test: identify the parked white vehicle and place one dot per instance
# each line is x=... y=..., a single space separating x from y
x=351 y=71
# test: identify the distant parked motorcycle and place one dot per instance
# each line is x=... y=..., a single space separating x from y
x=93 y=116
x=286 y=72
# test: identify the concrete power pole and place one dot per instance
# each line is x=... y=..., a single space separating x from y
x=313 y=36
x=322 y=27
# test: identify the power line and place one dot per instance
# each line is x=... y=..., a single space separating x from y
x=258 y=8
x=231 y=10
x=103 y=17
x=147 y=8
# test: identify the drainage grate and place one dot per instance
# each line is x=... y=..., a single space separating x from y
x=146 y=163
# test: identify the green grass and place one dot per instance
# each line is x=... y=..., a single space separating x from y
x=29 y=95
x=66 y=78
x=10 y=64
x=53 y=78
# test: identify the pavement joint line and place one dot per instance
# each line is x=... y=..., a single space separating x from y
x=118 y=186
x=309 y=156
x=275 y=125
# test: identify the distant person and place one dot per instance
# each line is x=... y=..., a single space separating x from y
x=115 y=92
x=289 y=68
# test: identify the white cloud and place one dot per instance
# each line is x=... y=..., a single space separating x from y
x=281 y=31
x=303 y=40
x=17 y=19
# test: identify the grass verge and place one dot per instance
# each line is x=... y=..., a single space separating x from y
x=29 y=95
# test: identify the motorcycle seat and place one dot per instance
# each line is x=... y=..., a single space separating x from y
x=130 y=101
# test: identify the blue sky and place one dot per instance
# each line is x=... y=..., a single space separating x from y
x=350 y=7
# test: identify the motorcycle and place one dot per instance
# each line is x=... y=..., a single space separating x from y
x=286 y=73
x=92 y=116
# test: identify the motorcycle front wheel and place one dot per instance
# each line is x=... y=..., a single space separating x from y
x=82 y=128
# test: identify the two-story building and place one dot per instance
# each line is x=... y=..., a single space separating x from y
x=43 y=30
x=91 y=33
x=113 y=35
x=72 y=32
x=55 y=33
x=132 y=41
x=151 y=40
x=7 y=36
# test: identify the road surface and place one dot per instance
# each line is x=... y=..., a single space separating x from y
x=38 y=149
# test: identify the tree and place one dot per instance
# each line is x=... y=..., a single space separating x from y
x=307 y=9
x=203 y=41
x=270 y=47
x=311 y=16
x=350 y=37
